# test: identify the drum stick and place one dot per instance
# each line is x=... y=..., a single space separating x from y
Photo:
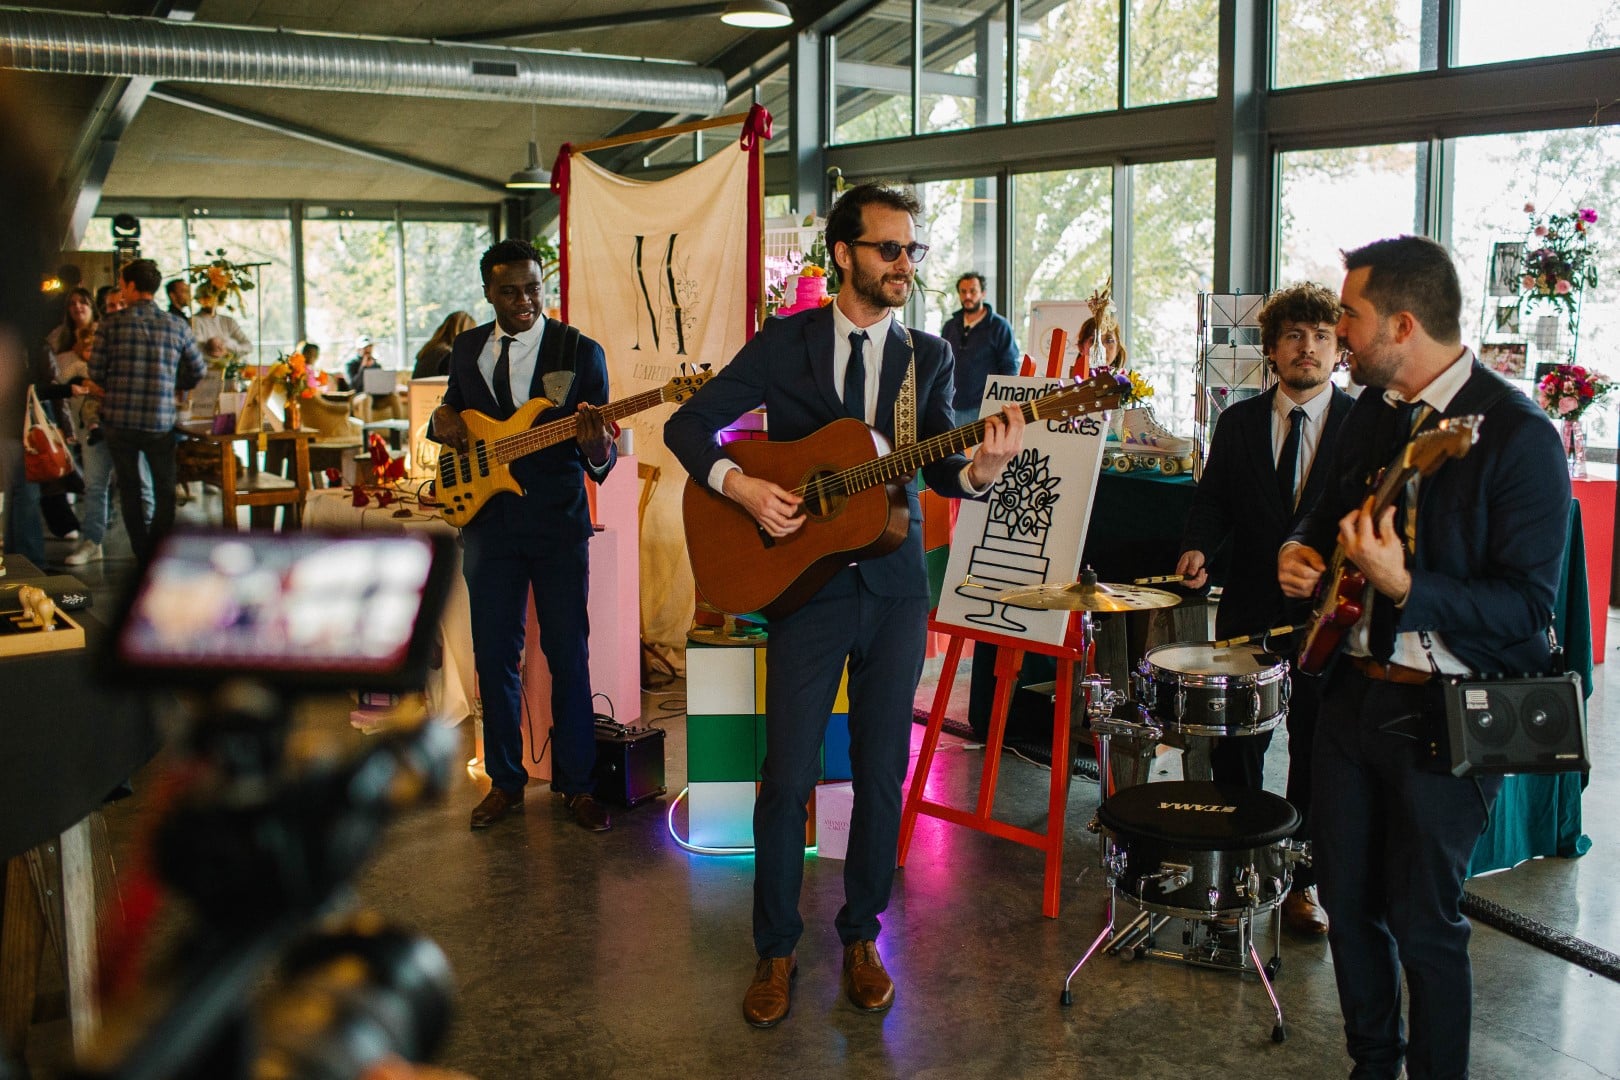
x=1159 y=579
x=1246 y=638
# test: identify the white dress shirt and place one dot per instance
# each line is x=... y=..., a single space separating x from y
x=1409 y=645
x=524 y=354
x=215 y=325
x=1310 y=434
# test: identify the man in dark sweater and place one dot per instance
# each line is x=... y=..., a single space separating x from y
x=983 y=344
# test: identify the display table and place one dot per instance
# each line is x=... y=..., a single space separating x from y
x=452 y=685
x=212 y=459
x=65 y=743
x=1597 y=498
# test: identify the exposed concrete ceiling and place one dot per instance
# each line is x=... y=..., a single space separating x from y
x=172 y=151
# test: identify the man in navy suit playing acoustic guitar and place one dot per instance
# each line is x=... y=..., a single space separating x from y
x=850 y=358
x=537 y=538
x=1268 y=464
x=1466 y=588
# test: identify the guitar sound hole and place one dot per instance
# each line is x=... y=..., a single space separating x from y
x=823 y=497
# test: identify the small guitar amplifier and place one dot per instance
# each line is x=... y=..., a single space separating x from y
x=629 y=763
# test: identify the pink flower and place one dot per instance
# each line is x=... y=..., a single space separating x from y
x=1587 y=214
x=1567 y=405
x=1541 y=230
x=1529 y=281
x=1562 y=287
x=1529 y=207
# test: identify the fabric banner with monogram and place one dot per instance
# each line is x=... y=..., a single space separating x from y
x=663 y=274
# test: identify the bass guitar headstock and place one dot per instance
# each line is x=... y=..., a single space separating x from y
x=682 y=387
x=1452 y=438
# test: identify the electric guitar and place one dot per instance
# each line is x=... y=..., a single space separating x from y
x=855 y=505
x=464 y=482
x=1339 y=603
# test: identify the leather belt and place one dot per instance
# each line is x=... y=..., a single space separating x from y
x=1395 y=673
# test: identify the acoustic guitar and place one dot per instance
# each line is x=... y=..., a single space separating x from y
x=464 y=482
x=1340 y=596
x=855 y=506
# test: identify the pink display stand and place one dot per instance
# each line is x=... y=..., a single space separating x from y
x=812 y=293
x=615 y=613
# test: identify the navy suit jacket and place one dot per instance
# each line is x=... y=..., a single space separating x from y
x=788 y=368
x=553 y=479
x=1238 y=501
x=1491 y=525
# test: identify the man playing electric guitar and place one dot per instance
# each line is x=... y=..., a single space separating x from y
x=848 y=359
x=534 y=539
x=1464 y=584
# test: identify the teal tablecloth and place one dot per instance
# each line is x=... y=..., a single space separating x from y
x=1541 y=815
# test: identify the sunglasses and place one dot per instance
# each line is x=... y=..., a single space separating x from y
x=889 y=250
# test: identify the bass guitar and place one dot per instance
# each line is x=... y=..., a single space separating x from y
x=1340 y=596
x=464 y=482
x=855 y=505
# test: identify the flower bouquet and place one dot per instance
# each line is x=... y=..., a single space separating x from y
x=1559 y=259
x=220 y=281
x=1137 y=393
x=1565 y=393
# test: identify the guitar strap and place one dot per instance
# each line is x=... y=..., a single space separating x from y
x=559 y=353
x=905 y=405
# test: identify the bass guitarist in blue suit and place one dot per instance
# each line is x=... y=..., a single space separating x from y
x=852 y=359
x=536 y=539
x=1462 y=584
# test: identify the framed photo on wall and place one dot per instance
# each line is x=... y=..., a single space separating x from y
x=1507 y=319
x=1510 y=361
x=1507 y=258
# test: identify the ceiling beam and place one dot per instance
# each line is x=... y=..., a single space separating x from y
x=279 y=126
x=586 y=23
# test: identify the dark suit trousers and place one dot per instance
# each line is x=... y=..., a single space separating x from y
x=883 y=639
x=1392 y=843
x=1241 y=760
x=127 y=447
x=504 y=554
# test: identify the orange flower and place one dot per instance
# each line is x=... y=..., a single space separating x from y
x=217 y=277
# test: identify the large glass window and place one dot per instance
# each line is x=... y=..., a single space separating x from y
x=1558 y=172
x=1068 y=57
x=268 y=309
x=351 y=289
x=1323 y=41
x=1172 y=261
x=872 y=76
x=1062 y=240
x=1493 y=30
x=959 y=226
x=1172 y=51
x=441 y=276
x=163 y=240
x=964 y=78
x=1334 y=200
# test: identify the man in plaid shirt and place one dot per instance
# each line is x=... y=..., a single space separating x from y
x=142 y=356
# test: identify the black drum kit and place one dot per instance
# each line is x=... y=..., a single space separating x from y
x=1213 y=856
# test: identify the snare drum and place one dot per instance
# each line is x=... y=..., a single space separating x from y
x=1198 y=689
x=1192 y=848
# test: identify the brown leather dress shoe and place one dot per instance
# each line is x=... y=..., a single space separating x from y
x=496 y=805
x=589 y=814
x=770 y=995
x=1302 y=914
x=866 y=983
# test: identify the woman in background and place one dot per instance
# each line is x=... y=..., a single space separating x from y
x=434 y=359
x=78 y=311
x=1098 y=340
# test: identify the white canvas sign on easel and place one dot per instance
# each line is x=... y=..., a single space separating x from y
x=1031 y=528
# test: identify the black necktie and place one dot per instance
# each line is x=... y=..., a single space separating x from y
x=855 y=378
x=1288 y=460
x=503 y=377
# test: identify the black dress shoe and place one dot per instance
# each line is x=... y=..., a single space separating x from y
x=589 y=814
x=496 y=805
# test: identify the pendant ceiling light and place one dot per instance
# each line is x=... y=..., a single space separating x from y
x=757 y=14
x=532 y=176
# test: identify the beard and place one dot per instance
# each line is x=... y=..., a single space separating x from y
x=884 y=288
x=1374 y=365
x=1296 y=378
x=973 y=308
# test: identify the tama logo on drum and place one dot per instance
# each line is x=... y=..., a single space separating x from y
x=1198 y=808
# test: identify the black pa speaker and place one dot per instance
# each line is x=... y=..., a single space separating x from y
x=1514 y=725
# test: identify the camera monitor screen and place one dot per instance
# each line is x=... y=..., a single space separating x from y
x=306 y=609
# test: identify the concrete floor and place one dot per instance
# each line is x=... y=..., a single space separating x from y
x=620 y=955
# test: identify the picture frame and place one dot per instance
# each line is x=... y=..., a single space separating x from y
x=1507 y=261
x=1507 y=319
x=1509 y=360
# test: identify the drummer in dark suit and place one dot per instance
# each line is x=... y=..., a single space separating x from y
x=1266 y=470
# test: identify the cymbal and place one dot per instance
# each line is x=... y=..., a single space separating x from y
x=1089 y=596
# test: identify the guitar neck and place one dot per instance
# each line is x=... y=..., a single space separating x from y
x=896 y=466
x=511 y=447
x=1388 y=490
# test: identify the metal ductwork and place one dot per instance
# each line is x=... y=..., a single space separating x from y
x=62 y=43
